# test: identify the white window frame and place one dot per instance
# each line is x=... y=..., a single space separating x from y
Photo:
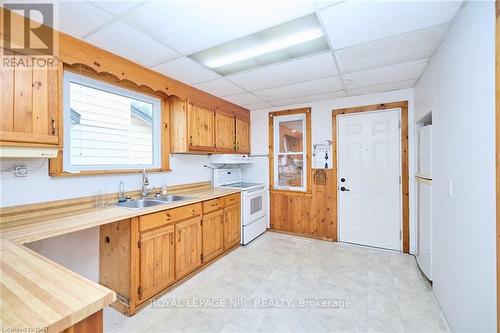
x=276 y=147
x=70 y=77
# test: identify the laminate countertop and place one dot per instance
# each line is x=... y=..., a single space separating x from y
x=37 y=293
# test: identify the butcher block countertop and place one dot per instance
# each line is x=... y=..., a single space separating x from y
x=37 y=293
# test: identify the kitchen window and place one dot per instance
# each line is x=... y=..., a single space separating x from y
x=108 y=127
x=290 y=163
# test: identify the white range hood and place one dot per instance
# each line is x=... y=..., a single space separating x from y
x=27 y=152
x=229 y=159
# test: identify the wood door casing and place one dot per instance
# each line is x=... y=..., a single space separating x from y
x=232 y=226
x=200 y=127
x=224 y=133
x=28 y=104
x=188 y=246
x=156 y=260
x=213 y=235
x=242 y=136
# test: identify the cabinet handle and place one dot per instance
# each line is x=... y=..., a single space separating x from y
x=53 y=123
x=190 y=140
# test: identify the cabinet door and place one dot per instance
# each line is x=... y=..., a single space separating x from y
x=28 y=103
x=242 y=136
x=224 y=133
x=213 y=233
x=200 y=128
x=156 y=261
x=188 y=242
x=232 y=226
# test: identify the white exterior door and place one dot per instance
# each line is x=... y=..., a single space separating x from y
x=369 y=170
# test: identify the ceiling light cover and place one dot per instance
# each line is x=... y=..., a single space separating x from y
x=286 y=41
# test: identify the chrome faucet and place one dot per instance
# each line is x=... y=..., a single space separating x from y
x=145 y=183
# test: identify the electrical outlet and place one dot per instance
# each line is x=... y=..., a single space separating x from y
x=21 y=171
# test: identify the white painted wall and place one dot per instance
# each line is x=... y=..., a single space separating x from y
x=39 y=187
x=321 y=118
x=458 y=86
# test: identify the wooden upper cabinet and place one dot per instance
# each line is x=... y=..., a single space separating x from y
x=213 y=234
x=29 y=104
x=188 y=246
x=224 y=133
x=192 y=127
x=200 y=127
x=156 y=261
x=242 y=136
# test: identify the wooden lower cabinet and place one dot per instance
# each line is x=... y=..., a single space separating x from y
x=142 y=256
x=188 y=246
x=232 y=226
x=91 y=324
x=213 y=235
x=156 y=261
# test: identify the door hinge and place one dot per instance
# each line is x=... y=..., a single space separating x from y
x=139 y=244
x=399 y=179
x=400 y=234
x=139 y=290
x=399 y=124
x=201 y=222
x=201 y=256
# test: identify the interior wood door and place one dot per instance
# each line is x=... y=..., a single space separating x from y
x=156 y=261
x=28 y=103
x=232 y=226
x=369 y=174
x=242 y=136
x=188 y=246
x=224 y=133
x=213 y=235
x=201 y=127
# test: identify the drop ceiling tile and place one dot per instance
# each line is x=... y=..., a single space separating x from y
x=321 y=4
x=382 y=87
x=404 y=47
x=300 y=89
x=191 y=26
x=220 y=87
x=116 y=7
x=310 y=98
x=355 y=22
x=304 y=69
x=127 y=42
x=186 y=70
x=243 y=99
x=257 y=106
x=72 y=22
x=381 y=75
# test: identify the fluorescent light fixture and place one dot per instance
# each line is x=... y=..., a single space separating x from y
x=290 y=40
x=267 y=47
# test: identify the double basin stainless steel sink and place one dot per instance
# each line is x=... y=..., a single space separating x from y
x=149 y=202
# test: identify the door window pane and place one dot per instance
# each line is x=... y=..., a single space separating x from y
x=290 y=170
x=291 y=136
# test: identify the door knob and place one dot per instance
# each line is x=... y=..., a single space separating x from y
x=343 y=189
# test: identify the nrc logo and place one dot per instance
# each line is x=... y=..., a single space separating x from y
x=28 y=28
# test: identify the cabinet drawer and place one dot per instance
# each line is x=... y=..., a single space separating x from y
x=165 y=217
x=212 y=205
x=232 y=199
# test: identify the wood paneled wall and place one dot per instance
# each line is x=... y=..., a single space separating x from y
x=306 y=214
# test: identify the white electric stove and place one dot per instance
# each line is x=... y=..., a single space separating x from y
x=253 y=202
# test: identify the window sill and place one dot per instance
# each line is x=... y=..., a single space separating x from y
x=105 y=172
